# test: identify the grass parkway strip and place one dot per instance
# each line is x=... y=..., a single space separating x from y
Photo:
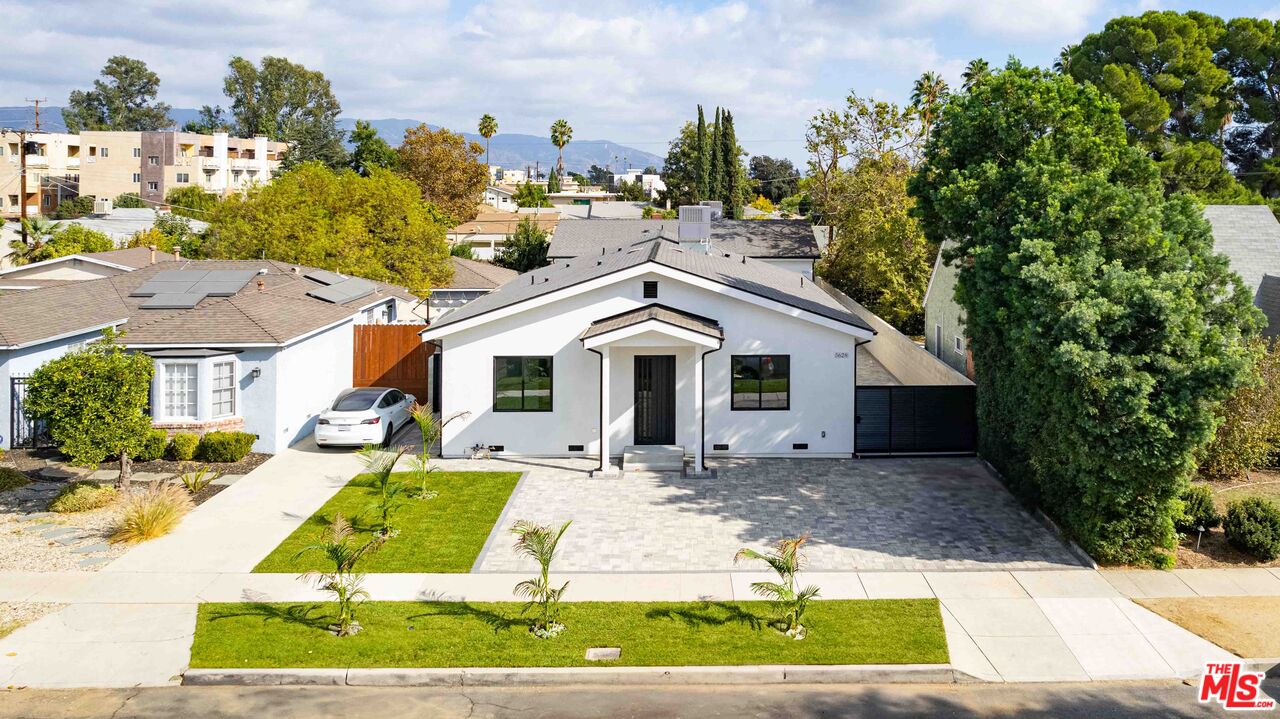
x=442 y=534
x=496 y=634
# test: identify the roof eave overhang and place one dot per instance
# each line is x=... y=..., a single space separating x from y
x=682 y=334
x=64 y=335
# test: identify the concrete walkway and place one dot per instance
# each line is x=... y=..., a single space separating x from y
x=135 y=628
x=132 y=623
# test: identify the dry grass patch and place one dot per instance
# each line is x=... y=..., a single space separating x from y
x=83 y=497
x=1248 y=627
x=151 y=513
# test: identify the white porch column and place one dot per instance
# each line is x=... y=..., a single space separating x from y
x=605 y=386
x=698 y=410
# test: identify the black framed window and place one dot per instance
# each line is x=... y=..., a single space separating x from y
x=522 y=384
x=761 y=382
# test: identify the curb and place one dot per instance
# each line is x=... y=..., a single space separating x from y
x=557 y=676
x=1269 y=666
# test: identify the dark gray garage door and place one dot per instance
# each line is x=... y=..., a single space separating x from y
x=916 y=420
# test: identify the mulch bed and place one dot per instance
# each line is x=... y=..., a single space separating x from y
x=164 y=466
x=1215 y=552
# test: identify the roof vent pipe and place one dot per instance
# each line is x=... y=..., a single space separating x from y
x=153 y=253
x=177 y=252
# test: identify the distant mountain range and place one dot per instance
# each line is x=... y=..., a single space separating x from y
x=507 y=149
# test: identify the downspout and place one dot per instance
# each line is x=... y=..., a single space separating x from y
x=703 y=419
x=856 y=345
x=603 y=459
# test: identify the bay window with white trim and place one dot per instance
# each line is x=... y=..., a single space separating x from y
x=197 y=389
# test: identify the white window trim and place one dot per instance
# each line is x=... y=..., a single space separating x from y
x=958 y=345
x=163 y=390
x=213 y=388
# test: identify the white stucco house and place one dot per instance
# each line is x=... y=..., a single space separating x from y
x=254 y=345
x=655 y=343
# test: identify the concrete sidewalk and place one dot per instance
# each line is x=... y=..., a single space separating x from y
x=1073 y=625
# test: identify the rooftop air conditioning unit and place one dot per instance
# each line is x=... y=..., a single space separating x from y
x=717 y=208
x=695 y=223
x=102 y=206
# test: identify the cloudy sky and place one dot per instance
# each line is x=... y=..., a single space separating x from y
x=628 y=72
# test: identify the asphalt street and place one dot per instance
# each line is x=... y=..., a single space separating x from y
x=1091 y=701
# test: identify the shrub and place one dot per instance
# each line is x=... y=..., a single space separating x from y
x=153 y=446
x=224 y=446
x=1250 y=426
x=82 y=497
x=182 y=447
x=11 y=478
x=1198 y=509
x=1253 y=526
x=151 y=513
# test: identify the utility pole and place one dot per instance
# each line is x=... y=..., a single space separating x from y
x=22 y=183
x=36 y=102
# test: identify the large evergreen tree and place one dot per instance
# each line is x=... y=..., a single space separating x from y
x=715 y=180
x=123 y=100
x=289 y=103
x=1104 y=329
x=732 y=194
x=702 y=151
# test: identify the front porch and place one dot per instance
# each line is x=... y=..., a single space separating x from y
x=652 y=392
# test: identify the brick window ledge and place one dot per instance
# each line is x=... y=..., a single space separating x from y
x=222 y=424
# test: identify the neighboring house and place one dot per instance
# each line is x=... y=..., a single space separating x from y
x=616 y=210
x=108 y=163
x=122 y=223
x=80 y=267
x=1248 y=235
x=257 y=345
x=653 y=343
x=500 y=198
x=471 y=279
x=652 y=184
x=789 y=244
x=514 y=177
x=488 y=232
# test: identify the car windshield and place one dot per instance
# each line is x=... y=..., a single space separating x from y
x=356 y=400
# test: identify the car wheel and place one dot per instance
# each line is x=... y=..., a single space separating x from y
x=386 y=438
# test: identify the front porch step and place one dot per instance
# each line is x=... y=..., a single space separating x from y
x=653 y=458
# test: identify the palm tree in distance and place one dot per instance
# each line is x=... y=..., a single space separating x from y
x=488 y=128
x=561 y=134
x=976 y=70
x=1063 y=63
x=927 y=96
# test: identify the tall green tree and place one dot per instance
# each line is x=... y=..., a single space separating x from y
x=927 y=96
x=289 y=103
x=191 y=201
x=734 y=193
x=123 y=100
x=377 y=227
x=561 y=134
x=488 y=128
x=702 y=155
x=1104 y=329
x=1251 y=54
x=525 y=249
x=977 y=70
x=370 y=151
x=531 y=195
x=447 y=167
x=775 y=178
x=681 y=167
x=211 y=119
x=715 y=181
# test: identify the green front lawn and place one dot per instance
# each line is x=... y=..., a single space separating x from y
x=491 y=634
x=444 y=534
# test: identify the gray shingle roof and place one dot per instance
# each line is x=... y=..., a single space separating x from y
x=474 y=275
x=125 y=222
x=1268 y=300
x=661 y=313
x=279 y=312
x=1249 y=236
x=773 y=239
x=736 y=271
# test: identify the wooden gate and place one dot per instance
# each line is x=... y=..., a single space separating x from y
x=391 y=356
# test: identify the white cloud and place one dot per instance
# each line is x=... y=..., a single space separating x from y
x=620 y=70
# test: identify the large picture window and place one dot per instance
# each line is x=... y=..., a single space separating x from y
x=181 y=390
x=522 y=384
x=224 y=389
x=761 y=382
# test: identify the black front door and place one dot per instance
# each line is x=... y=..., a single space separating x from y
x=655 y=409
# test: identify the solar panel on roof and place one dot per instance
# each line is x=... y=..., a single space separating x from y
x=173 y=301
x=155 y=287
x=325 y=277
x=241 y=276
x=177 y=275
x=345 y=291
x=218 y=289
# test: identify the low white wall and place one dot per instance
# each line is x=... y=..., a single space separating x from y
x=822 y=378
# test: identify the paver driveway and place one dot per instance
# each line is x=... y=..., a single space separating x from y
x=892 y=514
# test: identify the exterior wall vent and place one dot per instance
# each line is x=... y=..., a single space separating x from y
x=497 y=448
x=576 y=448
x=720 y=447
x=651 y=289
x=800 y=445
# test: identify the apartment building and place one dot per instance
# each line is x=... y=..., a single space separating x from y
x=108 y=164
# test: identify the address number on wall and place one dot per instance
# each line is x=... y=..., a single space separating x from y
x=842 y=355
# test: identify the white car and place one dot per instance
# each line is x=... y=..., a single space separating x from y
x=363 y=415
